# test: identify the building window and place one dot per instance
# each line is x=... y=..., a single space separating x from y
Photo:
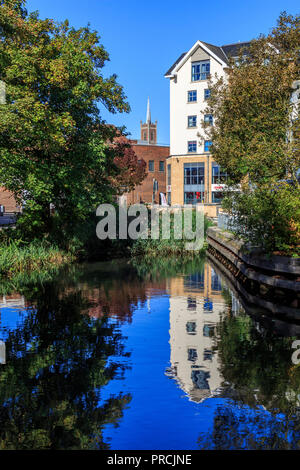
x=208 y=330
x=192 y=96
x=200 y=70
x=192 y=354
x=151 y=165
x=169 y=199
x=169 y=174
x=208 y=305
x=151 y=135
x=200 y=379
x=208 y=119
x=194 y=281
x=194 y=173
x=192 y=146
x=191 y=303
x=161 y=166
x=207 y=354
x=215 y=282
x=207 y=145
x=145 y=136
x=193 y=197
x=219 y=176
x=192 y=121
x=206 y=93
x=216 y=197
x=191 y=327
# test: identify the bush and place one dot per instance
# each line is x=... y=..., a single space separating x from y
x=268 y=216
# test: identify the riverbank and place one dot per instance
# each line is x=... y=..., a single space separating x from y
x=17 y=258
x=169 y=247
x=20 y=258
x=270 y=281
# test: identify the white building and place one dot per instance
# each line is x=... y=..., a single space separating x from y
x=192 y=176
x=196 y=307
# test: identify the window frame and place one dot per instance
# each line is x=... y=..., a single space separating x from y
x=220 y=176
x=192 y=100
x=208 y=119
x=193 y=174
x=194 y=118
x=192 y=143
x=200 y=74
x=151 y=161
x=169 y=174
x=208 y=93
x=207 y=144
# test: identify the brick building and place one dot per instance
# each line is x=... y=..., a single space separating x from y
x=7 y=200
x=155 y=156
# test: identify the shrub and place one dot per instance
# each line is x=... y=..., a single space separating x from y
x=268 y=216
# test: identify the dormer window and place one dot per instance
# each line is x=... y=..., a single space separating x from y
x=200 y=70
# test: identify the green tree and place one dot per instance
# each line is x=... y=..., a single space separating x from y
x=252 y=108
x=256 y=138
x=54 y=145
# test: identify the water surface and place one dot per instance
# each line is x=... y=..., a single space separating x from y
x=135 y=355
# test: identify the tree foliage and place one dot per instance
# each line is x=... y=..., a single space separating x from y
x=54 y=145
x=132 y=170
x=256 y=137
x=252 y=107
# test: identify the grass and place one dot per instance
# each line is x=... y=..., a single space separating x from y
x=17 y=258
x=161 y=247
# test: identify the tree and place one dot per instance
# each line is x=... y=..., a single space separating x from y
x=252 y=107
x=132 y=171
x=256 y=137
x=54 y=146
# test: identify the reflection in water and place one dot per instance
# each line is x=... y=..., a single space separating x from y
x=87 y=362
x=196 y=304
x=57 y=362
x=2 y=352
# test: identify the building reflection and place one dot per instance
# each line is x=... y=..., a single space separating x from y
x=196 y=305
x=12 y=301
x=120 y=299
x=2 y=352
x=8 y=303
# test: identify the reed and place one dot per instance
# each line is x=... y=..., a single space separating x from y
x=16 y=257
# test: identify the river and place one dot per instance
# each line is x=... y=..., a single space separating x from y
x=136 y=355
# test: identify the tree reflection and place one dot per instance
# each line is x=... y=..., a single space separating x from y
x=241 y=428
x=262 y=387
x=57 y=362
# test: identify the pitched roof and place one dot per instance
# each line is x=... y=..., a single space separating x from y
x=233 y=50
x=222 y=52
x=216 y=50
x=175 y=63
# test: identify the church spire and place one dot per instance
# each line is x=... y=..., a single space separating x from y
x=148 y=118
x=148 y=128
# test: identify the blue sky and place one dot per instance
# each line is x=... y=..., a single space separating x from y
x=144 y=38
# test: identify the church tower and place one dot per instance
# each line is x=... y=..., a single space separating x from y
x=149 y=129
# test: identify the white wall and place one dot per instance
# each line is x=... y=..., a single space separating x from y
x=180 y=109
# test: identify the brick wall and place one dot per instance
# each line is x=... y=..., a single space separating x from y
x=143 y=192
x=7 y=200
